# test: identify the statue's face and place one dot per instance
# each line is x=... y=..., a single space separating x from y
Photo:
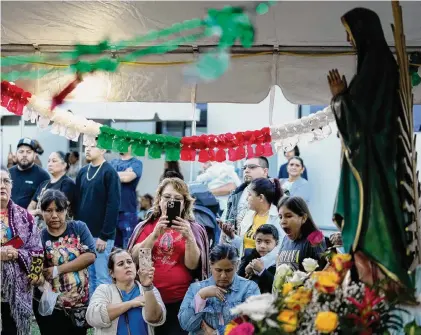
x=350 y=39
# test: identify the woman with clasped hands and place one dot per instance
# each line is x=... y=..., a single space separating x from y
x=126 y=307
x=206 y=308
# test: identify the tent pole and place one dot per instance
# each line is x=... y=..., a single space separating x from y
x=274 y=75
x=193 y=125
x=1 y=141
x=22 y=125
x=80 y=150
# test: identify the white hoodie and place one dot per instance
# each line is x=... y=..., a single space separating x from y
x=217 y=175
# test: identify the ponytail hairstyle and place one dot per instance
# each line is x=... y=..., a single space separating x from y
x=269 y=188
x=64 y=157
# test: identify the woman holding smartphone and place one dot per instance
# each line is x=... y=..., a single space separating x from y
x=180 y=249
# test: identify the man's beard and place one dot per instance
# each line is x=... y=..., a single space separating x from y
x=247 y=180
x=25 y=166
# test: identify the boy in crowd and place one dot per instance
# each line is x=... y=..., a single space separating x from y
x=251 y=267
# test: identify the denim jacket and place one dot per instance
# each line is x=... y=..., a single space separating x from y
x=191 y=321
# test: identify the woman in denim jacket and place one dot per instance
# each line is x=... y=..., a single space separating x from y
x=207 y=304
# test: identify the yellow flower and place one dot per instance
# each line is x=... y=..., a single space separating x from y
x=289 y=320
x=326 y=322
x=287 y=288
x=326 y=281
x=230 y=327
x=341 y=261
x=298 y=299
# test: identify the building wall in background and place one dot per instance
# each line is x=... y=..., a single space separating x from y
x=321 y=158
x=49 y=142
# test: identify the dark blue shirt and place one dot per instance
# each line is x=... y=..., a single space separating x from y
x=25 y=183
x=128 y=190
x=98 y=199
x=76 y=228
x=294 y=252
x=137 y=325
x=65 y=184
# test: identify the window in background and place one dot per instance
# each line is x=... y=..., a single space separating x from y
x=183 y=128
x=306 y=110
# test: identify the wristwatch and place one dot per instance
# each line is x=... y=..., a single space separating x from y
x=147 y=288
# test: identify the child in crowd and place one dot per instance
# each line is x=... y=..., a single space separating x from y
x=251 y=267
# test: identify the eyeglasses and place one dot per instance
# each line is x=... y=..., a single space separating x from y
x=168 y=197
x=51 y=211
x=6 y=181
x=250 y=166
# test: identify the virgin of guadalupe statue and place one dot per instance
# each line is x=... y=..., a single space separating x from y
x=369 y=205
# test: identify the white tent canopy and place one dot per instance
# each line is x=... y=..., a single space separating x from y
x=133 y=111
x=47 y=27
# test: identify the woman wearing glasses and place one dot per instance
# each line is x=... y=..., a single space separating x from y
x=20 y=243
x=180 y=251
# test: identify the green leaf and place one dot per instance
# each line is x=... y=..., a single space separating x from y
x=412 y=329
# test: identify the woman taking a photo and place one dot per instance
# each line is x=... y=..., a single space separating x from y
x=20 y=244
x=69 y=249
x=127 y=306
x=57 y=167
x=295 y=185
x=264 y=195
x=207 y=305
x=179 y=250
x=303 y=239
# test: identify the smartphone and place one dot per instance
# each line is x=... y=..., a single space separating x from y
x=16 y=242
x=145 y=258
x=173 y=210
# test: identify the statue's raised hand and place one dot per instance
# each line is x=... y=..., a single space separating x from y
x=337 y=83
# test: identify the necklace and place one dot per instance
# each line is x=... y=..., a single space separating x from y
x=89 y=167
x=263 y=215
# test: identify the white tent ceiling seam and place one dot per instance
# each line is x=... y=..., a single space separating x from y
x=310 y=27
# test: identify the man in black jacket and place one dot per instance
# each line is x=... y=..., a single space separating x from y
x=237 y=202
x=98 y=193
x=251 y=267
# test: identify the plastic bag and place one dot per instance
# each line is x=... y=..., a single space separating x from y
x=48 y=300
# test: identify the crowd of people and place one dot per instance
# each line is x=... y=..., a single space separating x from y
x=84 y=229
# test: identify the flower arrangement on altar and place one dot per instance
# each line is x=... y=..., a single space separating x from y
x=317 y=302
